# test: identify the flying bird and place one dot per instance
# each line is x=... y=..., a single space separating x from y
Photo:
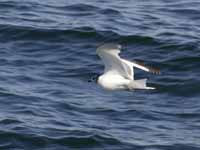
x=118 y=72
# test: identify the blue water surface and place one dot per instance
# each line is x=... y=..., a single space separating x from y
x=48 y=54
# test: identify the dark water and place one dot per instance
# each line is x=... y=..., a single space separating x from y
x=48 y=55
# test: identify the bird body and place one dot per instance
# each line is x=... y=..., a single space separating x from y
x=112 y=81
x=118 y=72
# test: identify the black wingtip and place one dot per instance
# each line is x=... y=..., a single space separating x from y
x=154 y=70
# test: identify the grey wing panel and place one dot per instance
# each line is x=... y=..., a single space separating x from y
x=115 y=63
x=109 y=53
x=128 y=68
x=111 y=62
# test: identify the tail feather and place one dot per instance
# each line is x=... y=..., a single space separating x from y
x=139 y=84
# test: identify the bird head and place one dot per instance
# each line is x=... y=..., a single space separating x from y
x=94 y=78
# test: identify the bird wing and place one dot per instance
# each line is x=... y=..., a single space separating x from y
x=143 y=67
x=137 y=65
x=109 y=53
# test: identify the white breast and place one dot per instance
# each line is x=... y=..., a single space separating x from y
x=113 y=81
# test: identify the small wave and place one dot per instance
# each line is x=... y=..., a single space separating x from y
x=30 y=33
x=147 y=40
x=86 y=33
x=9 y=121
x=187 y=12
x=181 y=66
x=27 y=140
x=81 y=7
x=6 y=145
x=186 y=60
x=183 y=4
x=175 y=146
x=180 y=88
x=72 y=141
x=178 y=47
x=86 y=8
x=18 y=6
x=110 y=12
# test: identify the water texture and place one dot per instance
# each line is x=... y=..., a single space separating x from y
x=48 y=54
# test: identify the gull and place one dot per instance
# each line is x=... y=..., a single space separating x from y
x=118 y=72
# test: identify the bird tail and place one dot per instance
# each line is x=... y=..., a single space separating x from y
x=139 y=84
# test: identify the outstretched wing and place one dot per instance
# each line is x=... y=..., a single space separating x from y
x=141 y=66
x=109 y=53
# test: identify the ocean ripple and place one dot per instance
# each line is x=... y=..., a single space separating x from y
x=48 y=54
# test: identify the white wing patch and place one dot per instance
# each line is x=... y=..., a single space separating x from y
x=128 y=68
